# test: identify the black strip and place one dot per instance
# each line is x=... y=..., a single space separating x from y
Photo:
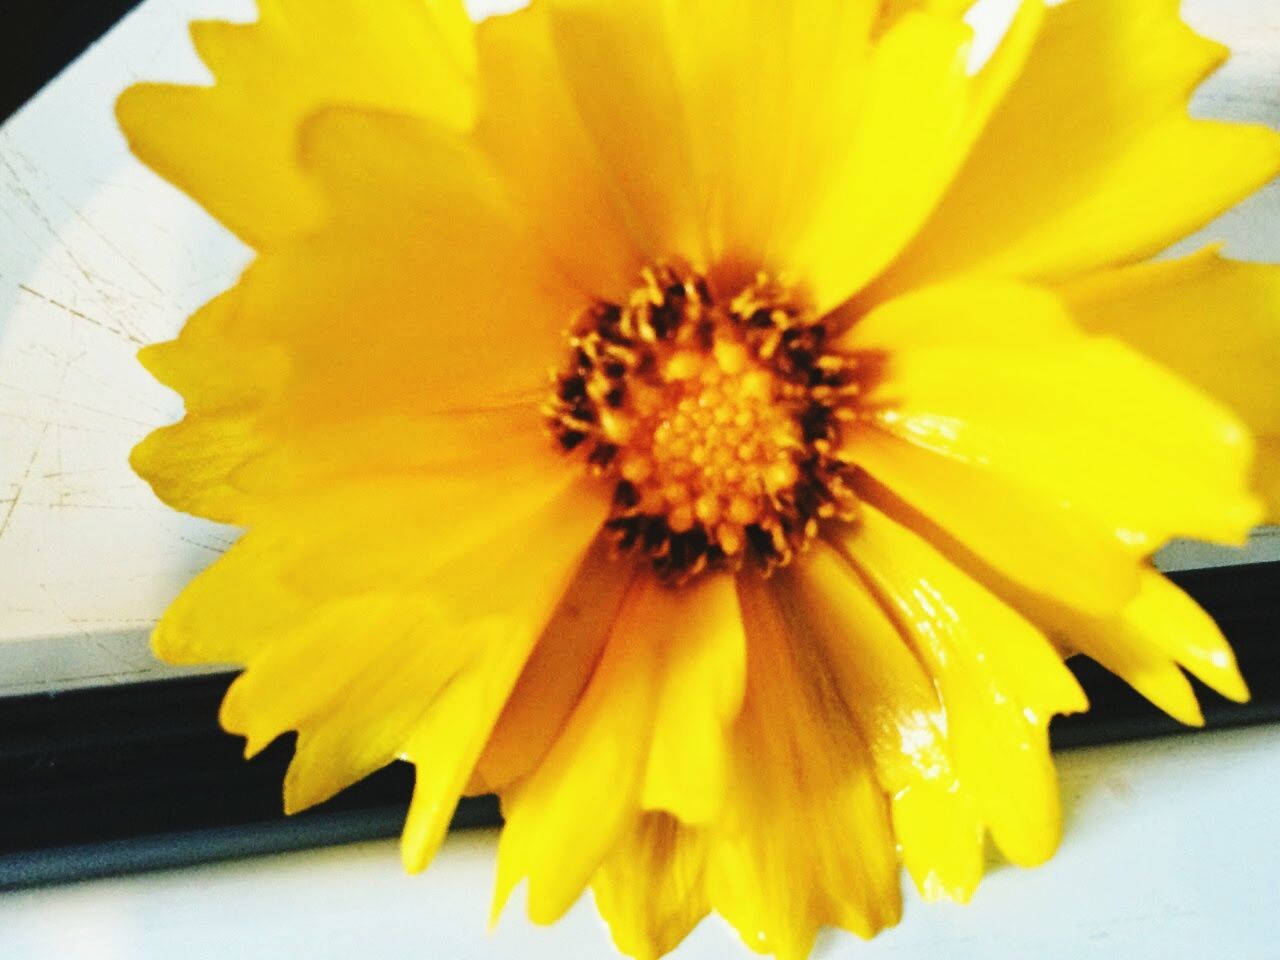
x=112 y=780
x=117 y=779
x=40 y=37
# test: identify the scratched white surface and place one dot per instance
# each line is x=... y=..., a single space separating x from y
x=98 y=256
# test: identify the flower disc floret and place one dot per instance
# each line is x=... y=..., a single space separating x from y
x=715 y=419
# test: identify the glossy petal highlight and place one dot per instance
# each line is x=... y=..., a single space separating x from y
x=999 y=679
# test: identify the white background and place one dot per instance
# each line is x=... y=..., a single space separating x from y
x=1170 y=846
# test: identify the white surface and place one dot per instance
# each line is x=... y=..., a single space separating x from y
x=1170 y=854
x=98 y=256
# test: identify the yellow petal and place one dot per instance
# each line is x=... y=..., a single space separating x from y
x=433 y=697
x=1010 y=420
x=503 y=603
x=652 y=888
x=619 y=70
x=232 y=146
x=295 y=458
x=773 y=171
x=805 y=838
x=991 y=515
x=898 y=149
x=961 y=111
x=703 y=673
x=529 y=126
x=898 y=713
x=451 y=302
x=1091 y=158
x=564 y=820
x=1215 y=322
x=1000 y=680
x=368 y=667
x=960 y=313
x=1087 y=423
x=558 y=671
x=352 y=676
x=211 y=372
x=354 y=357
x=1177 y=626
x=187 y=465
x=235 y=467
x=1145 y=643
x=761 y=145
x=210 y=622
x=321 y=546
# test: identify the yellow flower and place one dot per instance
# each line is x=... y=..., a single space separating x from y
x=758 y=580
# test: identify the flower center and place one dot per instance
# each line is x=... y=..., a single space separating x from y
x=717 y=422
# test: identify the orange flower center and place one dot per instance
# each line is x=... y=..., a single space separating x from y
x=716 y=422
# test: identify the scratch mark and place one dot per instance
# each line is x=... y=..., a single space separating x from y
x=64 y=402
x=127 y=334
x=26 y=475
x=114 y=248
x=219 y=550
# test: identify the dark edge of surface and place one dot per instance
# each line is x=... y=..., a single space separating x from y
x=38 y=38
x=120 y=779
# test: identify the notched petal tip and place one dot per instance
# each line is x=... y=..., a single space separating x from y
x=234 y=719
x=143 y=113
x=1172 y=693
x=1030 y=856
x=1070 y=696
x=154 y=358
x=166 y=645
x=143 y=456
x=1230 y=682
x=134 y=104
x=215 y=42
x=302 y=792
x=424 y=831
x=504 y=885
x=174 y=461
